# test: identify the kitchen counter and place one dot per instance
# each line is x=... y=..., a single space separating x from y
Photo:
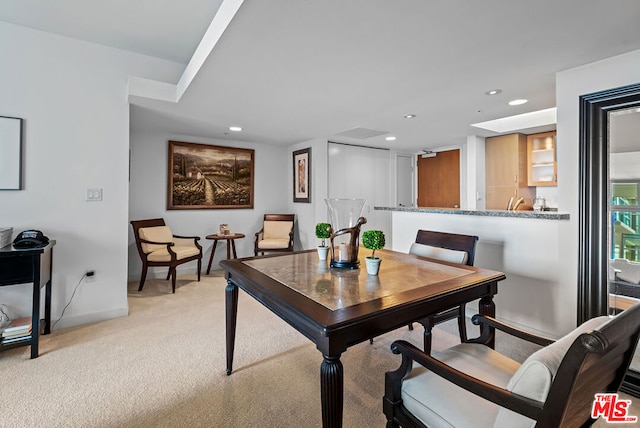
x=541 y=215
x=525 y=245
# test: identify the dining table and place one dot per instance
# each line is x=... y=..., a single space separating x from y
x=338 y=308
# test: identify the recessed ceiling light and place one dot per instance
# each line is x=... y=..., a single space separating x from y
x=391 y=138
x=518 y=102
x=493 y=92
x=235 y=128
x=409 y=116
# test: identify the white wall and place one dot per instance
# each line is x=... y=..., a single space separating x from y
x=148 y=197
x=526 y=250
x=73 y=98
x=570 y=85
x=309 y=214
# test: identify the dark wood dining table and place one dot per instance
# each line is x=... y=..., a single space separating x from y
x=336 y=308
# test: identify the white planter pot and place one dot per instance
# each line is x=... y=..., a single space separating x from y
x=322 y=253
x=373 y=265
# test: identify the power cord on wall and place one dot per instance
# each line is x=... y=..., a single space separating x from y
x=71 y=299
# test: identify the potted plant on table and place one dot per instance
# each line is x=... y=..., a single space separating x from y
x=322 y=232
x=373 y=240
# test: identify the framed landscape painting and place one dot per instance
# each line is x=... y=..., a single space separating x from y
x=201 y=176
x=302 y=175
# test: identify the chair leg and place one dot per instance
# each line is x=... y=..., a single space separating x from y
x=169 y=274
x=462 y=326
x=143 y=277
x=410 y=326
x=173 y=280
x=428 y=324
x=199 y=268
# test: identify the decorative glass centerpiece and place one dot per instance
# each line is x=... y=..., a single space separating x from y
x=346 y=221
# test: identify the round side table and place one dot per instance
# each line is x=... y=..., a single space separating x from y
x=231 y=244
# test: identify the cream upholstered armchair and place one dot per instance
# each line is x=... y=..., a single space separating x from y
x=158 y=246
x=472 y=385
x=276 y=234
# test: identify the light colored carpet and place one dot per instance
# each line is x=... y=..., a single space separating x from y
x=164 y=366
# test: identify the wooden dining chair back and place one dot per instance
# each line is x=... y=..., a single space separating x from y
x=159 y=247
x=450 y=247
x=471 y=384
x=276 y=234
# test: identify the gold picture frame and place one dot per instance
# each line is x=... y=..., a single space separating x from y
x=203 y=176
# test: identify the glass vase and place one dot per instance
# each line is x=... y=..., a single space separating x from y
x=346 y=220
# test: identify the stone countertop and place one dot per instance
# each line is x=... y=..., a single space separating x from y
x=541 y=215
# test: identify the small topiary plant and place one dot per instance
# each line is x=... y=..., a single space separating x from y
x=373 y=240
x=322 y=232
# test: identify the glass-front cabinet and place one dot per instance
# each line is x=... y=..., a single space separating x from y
x=541 y=166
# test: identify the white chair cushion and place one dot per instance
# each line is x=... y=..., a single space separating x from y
x=181 y=253
x=533 y=379
x=267 y=244
x=453 y=256
x=155 y=234
x=436 y=401
x=277 y=230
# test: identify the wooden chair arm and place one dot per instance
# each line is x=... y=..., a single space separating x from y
x=487 y=321
x=196 y=238
x=500 y=396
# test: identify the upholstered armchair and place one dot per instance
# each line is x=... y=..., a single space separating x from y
x=276 y=234
x=158 y=246
x=472 y=385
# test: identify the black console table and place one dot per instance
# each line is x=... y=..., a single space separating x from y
x=29 y=266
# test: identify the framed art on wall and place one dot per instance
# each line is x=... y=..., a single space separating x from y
x=302 y=175
x=10 y=153
x=201 y=176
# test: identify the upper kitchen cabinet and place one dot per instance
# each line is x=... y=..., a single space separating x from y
x=506 y=171
x=542 y=166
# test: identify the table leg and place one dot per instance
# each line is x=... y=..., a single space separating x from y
x=488 y=307
x=332 y=391
x=213 y=252
x=233 y=246
x=231 y=304
x=35 y=310
x=228 y=249
x=47 y=308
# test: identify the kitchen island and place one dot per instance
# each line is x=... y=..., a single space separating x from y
x=539 y=292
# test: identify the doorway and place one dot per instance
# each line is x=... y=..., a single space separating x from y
x=439 y=179
x=404 y=181
x=606 y=201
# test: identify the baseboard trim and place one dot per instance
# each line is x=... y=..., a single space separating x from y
x=74 y=320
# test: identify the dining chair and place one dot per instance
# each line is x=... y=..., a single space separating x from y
x=563 y=384
x=449 y=247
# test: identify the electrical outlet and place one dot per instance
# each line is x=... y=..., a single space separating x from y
x=90 y=276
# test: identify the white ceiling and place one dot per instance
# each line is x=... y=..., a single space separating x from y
x=288 y=71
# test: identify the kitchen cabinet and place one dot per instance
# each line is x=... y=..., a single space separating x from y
x=506 y=171
x=541 y=153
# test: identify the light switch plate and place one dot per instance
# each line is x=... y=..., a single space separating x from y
x=93 y=194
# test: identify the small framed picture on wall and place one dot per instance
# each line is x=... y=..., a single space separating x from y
x=302 y=175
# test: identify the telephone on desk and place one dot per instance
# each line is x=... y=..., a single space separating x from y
x=30 y=239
